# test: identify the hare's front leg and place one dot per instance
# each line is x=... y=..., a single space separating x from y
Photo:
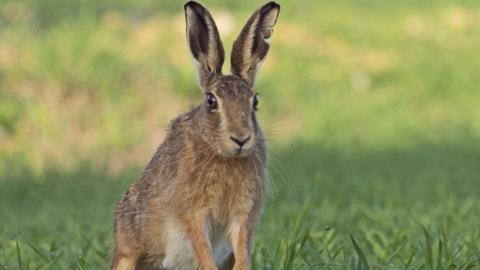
x=124 y=262
x=196 y=232
x=240 y=236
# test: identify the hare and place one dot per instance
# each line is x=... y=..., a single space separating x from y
x=196 y=204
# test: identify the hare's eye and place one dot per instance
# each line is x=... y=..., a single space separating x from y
x=255 y=103
x=211 y=101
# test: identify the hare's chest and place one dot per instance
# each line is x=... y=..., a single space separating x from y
x=232 y=192
x=226 y=187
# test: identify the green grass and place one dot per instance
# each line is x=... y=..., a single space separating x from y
x=328 y=209
x=371 y=109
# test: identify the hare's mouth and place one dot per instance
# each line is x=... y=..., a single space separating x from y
x=242 y=151
x=235 y=152
x=234 y=148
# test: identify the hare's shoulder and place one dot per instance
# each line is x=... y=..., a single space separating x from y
x=164 y=164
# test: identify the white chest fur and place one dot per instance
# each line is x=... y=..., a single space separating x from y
x=179 y=251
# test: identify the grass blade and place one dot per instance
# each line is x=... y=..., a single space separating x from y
x=428 y=251
x=362 y=263
x=19 y=255
x=40 y=253
x=439 y=258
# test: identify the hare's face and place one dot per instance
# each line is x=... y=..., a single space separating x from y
x=230 y=106
x=228 y=122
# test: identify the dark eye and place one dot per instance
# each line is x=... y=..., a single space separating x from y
x=211 y=101
x=255 y=102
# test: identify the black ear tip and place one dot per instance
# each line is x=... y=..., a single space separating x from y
x=272 y=5
x=193 y=5
x=189 y=3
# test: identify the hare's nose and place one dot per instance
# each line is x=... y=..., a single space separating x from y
x=241 y=141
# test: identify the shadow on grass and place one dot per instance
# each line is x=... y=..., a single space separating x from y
x=408 y=174
x=389 y=200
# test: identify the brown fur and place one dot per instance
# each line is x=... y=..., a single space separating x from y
x=199 y=184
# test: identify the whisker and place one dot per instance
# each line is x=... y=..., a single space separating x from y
x=208 y=182
x=256 y=157
x=256 y=169
x=282 y=173
x=206 y=162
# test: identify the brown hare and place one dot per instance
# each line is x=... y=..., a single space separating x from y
x=196 y=204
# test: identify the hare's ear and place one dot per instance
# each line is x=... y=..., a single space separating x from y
x=251 y=46
x=204 y=42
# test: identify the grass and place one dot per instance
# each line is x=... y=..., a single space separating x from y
x=398 y=209
x=371 y=109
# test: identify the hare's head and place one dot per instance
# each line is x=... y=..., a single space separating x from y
x=227 y=121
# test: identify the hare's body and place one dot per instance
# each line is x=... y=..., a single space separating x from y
x=196 y=204
x=185 y=176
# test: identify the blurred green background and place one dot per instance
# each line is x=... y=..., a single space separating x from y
x=371 y=109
